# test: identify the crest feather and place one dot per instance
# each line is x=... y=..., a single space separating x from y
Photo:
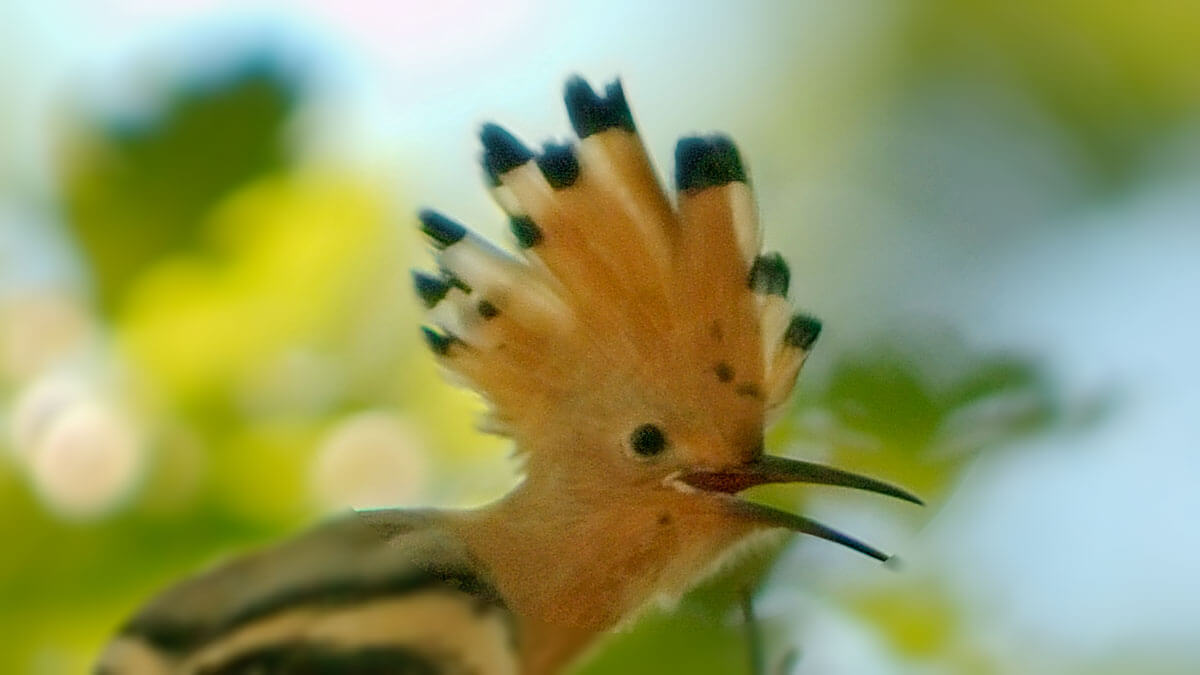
x=612 y=282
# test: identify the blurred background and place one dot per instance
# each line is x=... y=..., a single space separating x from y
x=208 y=339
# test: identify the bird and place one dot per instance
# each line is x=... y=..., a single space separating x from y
x=633 y=347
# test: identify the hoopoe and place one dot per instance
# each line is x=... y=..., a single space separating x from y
x=634 y=351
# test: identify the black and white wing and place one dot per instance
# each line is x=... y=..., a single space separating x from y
x=385 y=591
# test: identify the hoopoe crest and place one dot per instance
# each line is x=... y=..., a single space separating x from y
x=634 y=350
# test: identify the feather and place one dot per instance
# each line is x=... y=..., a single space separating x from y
x=719 y=308
x=611 y=151
x=787 y=357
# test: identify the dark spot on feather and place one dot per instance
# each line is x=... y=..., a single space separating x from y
x=441 y=229
x=527 y=232
x=440 y=344
x=724 y=371
x=750 y=390
x=715 y=332
x=487 y=310
x=769 y=275
x=429 y=288
x=502 y=152
x=664 y=519
x=559 y=165
x=802 y=331
x=591 y=113
x=709 y=161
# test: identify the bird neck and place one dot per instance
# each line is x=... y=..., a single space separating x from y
x=573 y=563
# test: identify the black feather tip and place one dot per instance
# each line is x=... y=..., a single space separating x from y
x=802 y=331
x=502 y=152
x=455 y=281
x=440 y=344
x=769 y=275
x=526 y=231
x=703 y=162
x=487 y=310
x=559 y=165
x=430 y=289
x=441 y=229
x=591 y=113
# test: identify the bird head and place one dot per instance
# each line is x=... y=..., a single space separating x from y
x=634 y=347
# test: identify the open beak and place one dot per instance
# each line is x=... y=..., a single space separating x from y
x=771 y=469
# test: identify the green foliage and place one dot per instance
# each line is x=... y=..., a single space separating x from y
x=682 y=642
x=919 y=407
x=135 y=191
x=1117 y=76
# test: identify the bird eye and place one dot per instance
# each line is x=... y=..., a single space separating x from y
x=648 y=440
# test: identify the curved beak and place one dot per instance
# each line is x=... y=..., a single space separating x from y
x=771 y=469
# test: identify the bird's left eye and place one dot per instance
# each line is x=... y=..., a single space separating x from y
x=648 y=440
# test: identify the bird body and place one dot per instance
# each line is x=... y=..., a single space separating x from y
x=634 y=351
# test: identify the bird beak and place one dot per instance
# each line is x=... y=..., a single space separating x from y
x=771 y=469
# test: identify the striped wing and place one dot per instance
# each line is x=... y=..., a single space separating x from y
x=374 y=592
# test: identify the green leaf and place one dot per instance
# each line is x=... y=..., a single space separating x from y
x=135 y=191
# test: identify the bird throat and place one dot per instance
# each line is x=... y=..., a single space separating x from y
x=570 y=572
